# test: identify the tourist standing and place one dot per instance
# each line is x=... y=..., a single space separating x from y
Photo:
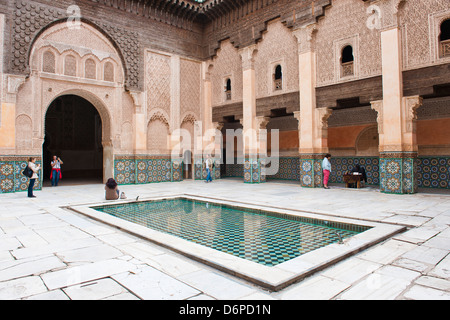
x=208 y=165
x=326 y=166
x=35 y=168
x=56 y=171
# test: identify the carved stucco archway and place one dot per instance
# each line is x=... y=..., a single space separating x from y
x=108 y=97
x=108 y=150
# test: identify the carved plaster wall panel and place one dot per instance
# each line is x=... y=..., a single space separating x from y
x=420 y=21
x=158 y=82
x=346 y=19
x=226 y=62
x=190 y=88
x=30 y=18
x=278 y=47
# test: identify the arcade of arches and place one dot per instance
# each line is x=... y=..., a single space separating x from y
x=110 y=97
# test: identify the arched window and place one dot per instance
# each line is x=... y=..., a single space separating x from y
x=228 y=89
x=70 y=66
x=108 y=73
x=48 y=63
x=90 y=69
x=278 y=78
x=347 y=61
x=444 y=39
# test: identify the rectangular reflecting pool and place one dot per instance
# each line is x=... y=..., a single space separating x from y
x=264 y=237
x=271 y=247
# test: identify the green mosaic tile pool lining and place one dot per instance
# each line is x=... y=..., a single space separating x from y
x=264 y=237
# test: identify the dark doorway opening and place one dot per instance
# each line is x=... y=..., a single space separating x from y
x=73 y=132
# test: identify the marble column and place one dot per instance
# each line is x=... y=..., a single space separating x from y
x=396 y=121
x=253 y=163
x=313 y=128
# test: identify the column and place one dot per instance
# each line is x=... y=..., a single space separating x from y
x=253 y=166
x=396 y=121
x=139 y=124
x=7 y=108
x=7 y=125
x=201 y=127
x=175 y=121
x=313 y=140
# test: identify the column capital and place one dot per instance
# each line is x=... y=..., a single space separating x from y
x=261 y=122
x=206 y=70
x=378 y=107
x=248 y=55
x=305 y=36
x=218 y=125
x=410 y=105
x=138 y=100
x=13 y=84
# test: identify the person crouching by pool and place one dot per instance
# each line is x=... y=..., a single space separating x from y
x=111 y=190
x=326 y=166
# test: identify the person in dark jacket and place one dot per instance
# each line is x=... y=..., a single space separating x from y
x=357 y=168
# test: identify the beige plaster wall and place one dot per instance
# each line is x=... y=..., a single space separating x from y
x=277 y=47
x=345 y=24
x=226 y=64
x=420 y=21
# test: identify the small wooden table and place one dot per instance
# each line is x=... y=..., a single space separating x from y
x=353 y=178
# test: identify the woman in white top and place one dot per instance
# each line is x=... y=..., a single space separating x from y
x=326 y=166
x=35 y=168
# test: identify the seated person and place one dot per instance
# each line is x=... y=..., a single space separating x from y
x=357 y=168
x=112 y=191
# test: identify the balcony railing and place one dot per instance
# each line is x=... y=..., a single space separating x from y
x=347 y=69
x=228 y=95
x=278 y=84
x=444 y=49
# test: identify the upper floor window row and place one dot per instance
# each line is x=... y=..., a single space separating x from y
x=71 y=65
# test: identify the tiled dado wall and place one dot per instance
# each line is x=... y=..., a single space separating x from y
x=254 y=171
x=431 y=172
x=288 y=169
x=339 y=165
x=200 y=170
x=140 y=170
x=11 y=178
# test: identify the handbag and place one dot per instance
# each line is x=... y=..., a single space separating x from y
x=27 y=172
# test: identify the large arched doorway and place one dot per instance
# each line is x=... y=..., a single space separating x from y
x=73 y=132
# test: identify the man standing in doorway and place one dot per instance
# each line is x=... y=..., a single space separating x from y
x=56 y=171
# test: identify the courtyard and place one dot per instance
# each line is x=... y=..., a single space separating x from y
x=49 y=252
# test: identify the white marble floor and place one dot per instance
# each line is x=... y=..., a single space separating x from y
x=49 y=252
